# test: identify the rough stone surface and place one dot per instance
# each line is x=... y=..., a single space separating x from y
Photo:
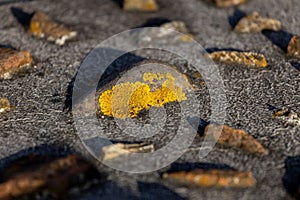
x=254 y=23
x=239 y=58
x=140 y=5
x=40 y=96
x=42 y=26
x=213 y=178
x=13 y=61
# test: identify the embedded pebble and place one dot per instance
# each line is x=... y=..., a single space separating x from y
x=28 y=177
x=249 y=59
x=234 y=138
x=254 y=23
x=213 y=178
x=120 y=149
x=13 y=61
x=140 y=5
x=294 y=47
x=42 y=26
x=4 y=105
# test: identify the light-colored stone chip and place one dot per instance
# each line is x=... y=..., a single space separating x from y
x=120 y=149
x=254 y=23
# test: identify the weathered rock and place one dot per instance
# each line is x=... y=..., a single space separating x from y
x=120 y=149
x=289 y=117
x=213 y=178
x=13 y=61
x=4 y=105
x=234 y=138
x=42 y=26
x=256 y=23
x=239 y=58
x=294 y=47
x=227 y=3
x=55 y=177
x=140 y=5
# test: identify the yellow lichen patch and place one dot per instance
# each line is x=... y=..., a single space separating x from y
x=187 y=38
x=128 y=99
x=150 y=77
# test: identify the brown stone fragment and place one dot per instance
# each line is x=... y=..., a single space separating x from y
x=120 y=149
x=140 y=5
x=42 y=26
x=227 y=3
x=234 y=138
x=249 y=59
x=13 y=61
x=255 y=23
x=4 y=105
x=213 y=178
x=55 y=177
x=294 y=47
x=289 y=117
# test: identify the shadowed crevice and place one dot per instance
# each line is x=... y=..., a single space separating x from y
x=216 y=49
x=296 y=65
x=291 y=178
x=279 y=38
x=154 y=22
x=22 y=17
x=187 y=166
x=236 y=17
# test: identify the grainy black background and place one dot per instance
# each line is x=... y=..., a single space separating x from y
x=39 y=96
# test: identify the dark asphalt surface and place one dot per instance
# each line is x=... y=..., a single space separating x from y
x=39 y=96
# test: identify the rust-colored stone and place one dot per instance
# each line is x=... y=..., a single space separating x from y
x=42 y=26
x=294 y=47
x=255 y=23
x=120 y=149
x=55 y=177
x=235 y=138
x=140 y=5
x=249 y=59
x=213 y=178
x=4 y=105
x=289 y=117
x=227 y=3
x=13 y=61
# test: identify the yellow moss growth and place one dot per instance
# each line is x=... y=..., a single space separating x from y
x=128 y=99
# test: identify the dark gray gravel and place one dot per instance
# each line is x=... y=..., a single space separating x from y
x=40 y=95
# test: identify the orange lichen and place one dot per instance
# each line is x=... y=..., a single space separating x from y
x=128 y=99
